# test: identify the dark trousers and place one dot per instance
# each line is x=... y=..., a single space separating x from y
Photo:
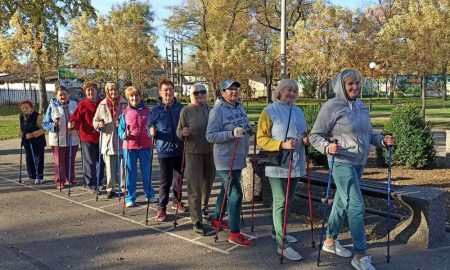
x=167 y=165
x=61 y=159
x=90 y=154
x=36 y=161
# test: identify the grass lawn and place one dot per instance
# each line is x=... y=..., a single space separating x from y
x=9 y=129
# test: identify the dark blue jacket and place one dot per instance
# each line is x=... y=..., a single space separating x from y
x=165 y=119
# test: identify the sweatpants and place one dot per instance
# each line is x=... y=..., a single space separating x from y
x=200 y=172
x=36 y=161
x=279 y=189
x=167 y=166
x=234 y=202
x=90 y=154
x=143 y=155
x=61 y=168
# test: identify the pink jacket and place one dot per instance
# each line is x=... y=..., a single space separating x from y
x=137 y=119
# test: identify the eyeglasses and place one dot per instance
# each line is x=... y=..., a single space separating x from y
x=201 y=92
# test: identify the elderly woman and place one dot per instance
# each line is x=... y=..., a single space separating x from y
x=81 y=120
x=282 y=126
x=107 y=119
x=199 y=158
x=60 y=136
x=346 y=119
x=228 y=129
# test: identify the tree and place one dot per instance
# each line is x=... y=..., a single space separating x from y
x=414 y=36
x=219 y=32
x=319 y=44
x=122 y=42
x=35 y=23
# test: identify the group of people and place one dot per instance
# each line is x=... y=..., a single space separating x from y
x=208 y=142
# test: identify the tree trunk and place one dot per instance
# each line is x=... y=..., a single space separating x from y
x=269 y=84
x=378 y=86
x=444 y=81
x=423 y=94
x=386 y=85
x=393 y=86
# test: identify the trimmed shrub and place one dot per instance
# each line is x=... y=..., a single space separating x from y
x=311 y=112
x=415 y=146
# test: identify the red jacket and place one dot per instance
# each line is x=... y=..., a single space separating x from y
x=82 y=118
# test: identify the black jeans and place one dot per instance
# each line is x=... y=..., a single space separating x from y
x=167 y=165
x=90 y=164
x=34 y=162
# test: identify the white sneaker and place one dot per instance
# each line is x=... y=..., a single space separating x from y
x=290 y=253
x=337 y=249
x=152 y=200
x=289 y=238
x=129 y=204
x=36 y=181
x=364 y=264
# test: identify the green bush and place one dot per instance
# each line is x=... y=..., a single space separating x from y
x=415 y=145
x=311 y=112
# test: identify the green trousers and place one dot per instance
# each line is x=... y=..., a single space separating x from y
x=279 y=186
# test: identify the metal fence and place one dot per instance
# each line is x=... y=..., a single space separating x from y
x=9 y=96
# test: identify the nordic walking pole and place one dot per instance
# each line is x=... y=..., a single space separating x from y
x=308 y=176
x=150 y=180
x=34 y=160
x=286 y=204
x=226 y=188
x=119 y=189
x=326 y=205
x=82 y=161
x=99 y=168
x=20 y=164
x=388 y=226
x=125 y=168
x=253 y=185
x=59 y=155
x=70 y=163
x=180 y=181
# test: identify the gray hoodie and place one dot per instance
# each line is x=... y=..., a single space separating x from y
x=223 y=118
x=347 y=121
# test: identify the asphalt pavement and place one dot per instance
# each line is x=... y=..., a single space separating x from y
x=42 y=228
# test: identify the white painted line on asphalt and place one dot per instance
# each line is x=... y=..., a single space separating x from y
x=108 y=205
x=93 y=199
x=135 y=209
x=178 y=225
x=123 y=218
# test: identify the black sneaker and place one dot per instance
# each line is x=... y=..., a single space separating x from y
x=205 y=214
x=111 y=194
x=198 y=228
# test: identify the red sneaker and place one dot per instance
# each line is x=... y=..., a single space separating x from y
x=240 y=240
x=181 y=208
x=222 y=225
x=161 y=216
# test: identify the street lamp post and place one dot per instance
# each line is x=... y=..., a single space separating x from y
x=372 y=67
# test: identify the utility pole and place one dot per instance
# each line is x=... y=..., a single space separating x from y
x=174 y=61
x=283 y=40
x=172 y=64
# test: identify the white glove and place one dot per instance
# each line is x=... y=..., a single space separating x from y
x=238 y=132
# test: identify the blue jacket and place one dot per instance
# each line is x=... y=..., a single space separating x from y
x=165 y=120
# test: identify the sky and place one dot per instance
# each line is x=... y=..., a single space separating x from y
x=161 y=12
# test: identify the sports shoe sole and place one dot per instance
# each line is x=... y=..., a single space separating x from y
x=331 y=250
x=232 y=242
